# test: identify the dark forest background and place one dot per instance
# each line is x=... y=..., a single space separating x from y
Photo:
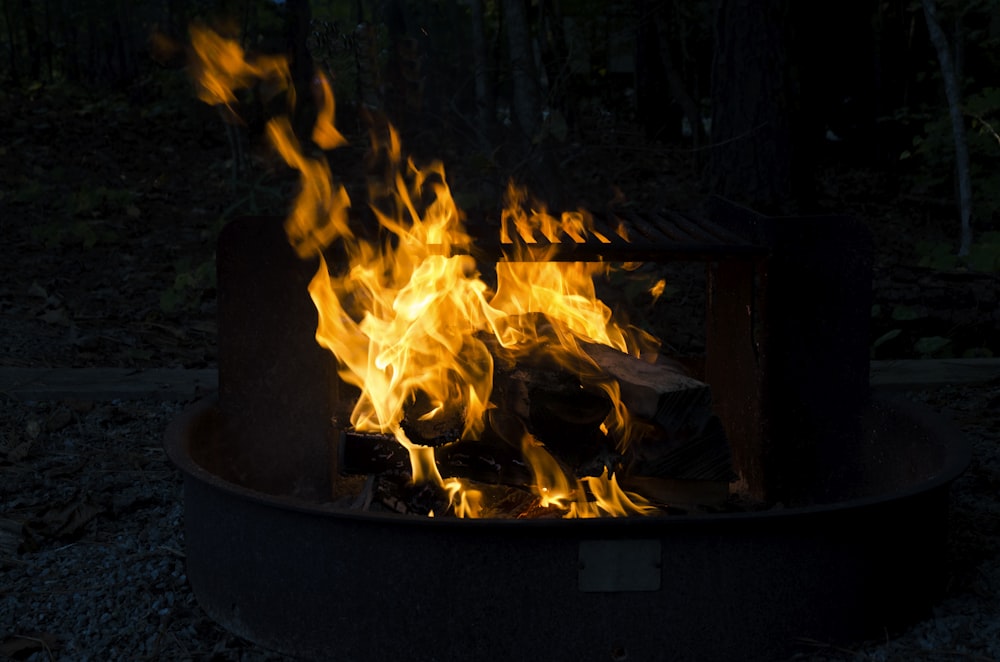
x=763 y=95
x=787 y=107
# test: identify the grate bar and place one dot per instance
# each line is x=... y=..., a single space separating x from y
x=651 y=237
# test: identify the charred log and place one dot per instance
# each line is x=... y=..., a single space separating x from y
x=565 y=408
x=489 y=461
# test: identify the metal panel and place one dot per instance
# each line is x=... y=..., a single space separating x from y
x=620 y=565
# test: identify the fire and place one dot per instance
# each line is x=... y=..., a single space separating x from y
x=409 y=317
x=555 y=489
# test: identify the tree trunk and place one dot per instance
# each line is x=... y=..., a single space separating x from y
x=526 y=100
x=297 y=29
x=678 y=89
x=659 y=117
x=954 y=95
x=11 y=41
x=532 y=157
x=755 y=157
x=31 y=41
x=485 y=99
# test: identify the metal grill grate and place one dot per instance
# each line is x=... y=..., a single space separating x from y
x=628 y=236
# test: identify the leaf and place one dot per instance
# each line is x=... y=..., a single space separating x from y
x=886 y=337
x=930 y=345
x=558 y=128
x=38 y=291
x=67 y=521
x=57 y=316
x=18 y=452
x=904 y=313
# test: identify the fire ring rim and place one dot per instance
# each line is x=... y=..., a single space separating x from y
x=957 y=457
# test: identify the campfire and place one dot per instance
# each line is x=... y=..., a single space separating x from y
x=409 y=359
x=514 y=395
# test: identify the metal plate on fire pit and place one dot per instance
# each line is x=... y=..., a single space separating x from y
x=619 y=565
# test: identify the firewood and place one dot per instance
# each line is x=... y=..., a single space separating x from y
x=687 y=440
x=489 y=460
x=564 y=407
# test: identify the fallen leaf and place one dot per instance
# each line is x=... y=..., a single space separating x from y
x=57 y=316
x=67 y=521
x=18 y=452
x=32 y=428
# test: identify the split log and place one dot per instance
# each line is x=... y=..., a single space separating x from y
x=564 y=407
x=687 y=441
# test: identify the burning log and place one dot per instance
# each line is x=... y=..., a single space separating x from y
x=489 y=461
x=682 y=437
x=681 y=455
x=687 y=440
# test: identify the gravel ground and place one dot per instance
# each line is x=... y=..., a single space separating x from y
x=92 y=549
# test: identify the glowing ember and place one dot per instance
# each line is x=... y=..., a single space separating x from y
x=408 y=317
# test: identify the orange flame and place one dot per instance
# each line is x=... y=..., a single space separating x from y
x=555 y=489
x=406 y=318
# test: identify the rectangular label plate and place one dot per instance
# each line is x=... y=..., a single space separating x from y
x=619 y=565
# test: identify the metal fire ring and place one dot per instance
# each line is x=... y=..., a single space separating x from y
x=318 y=582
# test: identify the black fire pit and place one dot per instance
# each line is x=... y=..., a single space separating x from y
x=855 y=543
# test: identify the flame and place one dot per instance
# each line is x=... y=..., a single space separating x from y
x=658 y=289
x=555 y=489
x=407 y=316
x=220 y=67
x=574 y=224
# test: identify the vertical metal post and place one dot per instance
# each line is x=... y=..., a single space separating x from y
x=787 y=351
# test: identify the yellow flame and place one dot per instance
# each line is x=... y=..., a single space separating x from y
x=515 y=216
x=407 y=317
x=325 y=134
x=555 y=489
x=658 y=289
x=220 y=67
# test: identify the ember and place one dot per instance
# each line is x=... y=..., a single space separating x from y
x=415 y=327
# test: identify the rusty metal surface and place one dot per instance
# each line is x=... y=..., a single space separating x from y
x=310 y=580
x=787 y=348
